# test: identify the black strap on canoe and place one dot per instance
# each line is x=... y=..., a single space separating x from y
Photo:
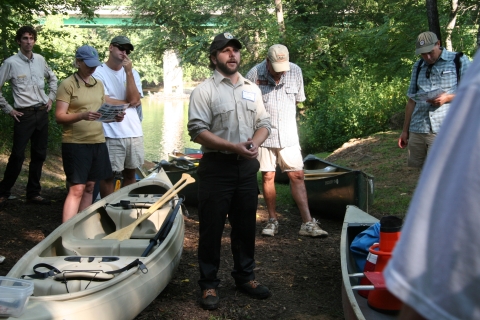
x=42 y=275
x=53 y=271
x=164 y=229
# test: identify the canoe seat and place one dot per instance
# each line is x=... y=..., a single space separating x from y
x=100 y=247
x=78 y=273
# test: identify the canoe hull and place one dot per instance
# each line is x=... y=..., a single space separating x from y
x=355 y=307
x=330 y=193
x=77 y=245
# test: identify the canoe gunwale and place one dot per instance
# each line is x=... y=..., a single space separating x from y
x=354 y=306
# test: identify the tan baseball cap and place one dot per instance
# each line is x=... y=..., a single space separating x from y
x=425 y=42
x=278 y=57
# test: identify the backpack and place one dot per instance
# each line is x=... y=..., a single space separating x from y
x=458 y=65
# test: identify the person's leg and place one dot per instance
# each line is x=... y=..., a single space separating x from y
x=299 y=193
x=128 y=177
x=215 y=192
x=417 y=149
x=269 y=193
x=22 y=132
x=290 y=160
x=134 y=158
x=72 y=202
x=87 y=195
x=117 y=153
x=242 y=217
x=106 y=187
x=38 y=153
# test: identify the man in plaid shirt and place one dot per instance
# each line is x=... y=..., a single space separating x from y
x=281 y=83
x=424 y=118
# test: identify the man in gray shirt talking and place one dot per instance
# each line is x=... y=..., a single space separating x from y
x=26 y=71
x=227 y=117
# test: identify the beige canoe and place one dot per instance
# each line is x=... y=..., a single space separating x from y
x=93 y=282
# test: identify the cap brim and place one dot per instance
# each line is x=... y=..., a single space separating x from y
x=92 y=63
x=281 y=66
x=425 y=49
x=224 y=43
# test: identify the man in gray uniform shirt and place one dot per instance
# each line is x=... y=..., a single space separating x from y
x=227 y=117
x=26 y=71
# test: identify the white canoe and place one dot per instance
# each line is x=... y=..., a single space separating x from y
x=77 y=245
x=355 y=306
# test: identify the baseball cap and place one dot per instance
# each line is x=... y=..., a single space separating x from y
x=425 y=42
x=279 y=58
x=89 y=55
x=122 y=40
x=221 y=41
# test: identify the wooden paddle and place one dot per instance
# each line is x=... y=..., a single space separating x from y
x=126 y=232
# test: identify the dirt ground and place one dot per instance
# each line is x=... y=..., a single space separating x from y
x=302 y=273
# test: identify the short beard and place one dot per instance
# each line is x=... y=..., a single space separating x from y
x=225 y=69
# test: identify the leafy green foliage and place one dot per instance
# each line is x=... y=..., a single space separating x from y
x=347 y=107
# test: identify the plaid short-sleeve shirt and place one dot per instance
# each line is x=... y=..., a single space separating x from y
x=280 y=101
x=427 y=118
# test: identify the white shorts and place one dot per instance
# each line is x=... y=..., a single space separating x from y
x=288 y=159
x=125 y=153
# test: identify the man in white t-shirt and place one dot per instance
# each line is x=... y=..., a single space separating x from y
x=124 y=139
x=435 y=267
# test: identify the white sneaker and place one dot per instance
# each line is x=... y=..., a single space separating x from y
x=312 y=229
x=271 y=228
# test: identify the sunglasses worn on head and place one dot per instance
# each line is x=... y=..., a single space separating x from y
x=127 y=51
x=88 y=85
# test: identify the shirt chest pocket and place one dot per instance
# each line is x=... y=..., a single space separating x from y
x=448 y=76
x=20 y=81
x=222 y=115
x=251 y=114
x=291 y=93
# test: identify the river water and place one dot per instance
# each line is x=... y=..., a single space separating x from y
x=165 y=127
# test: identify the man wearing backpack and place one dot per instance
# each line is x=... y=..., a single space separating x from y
x=437 y=69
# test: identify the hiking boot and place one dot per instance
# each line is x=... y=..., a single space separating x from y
x=255 y=290
x=271 y=228
x=38 y=200
x=312 y=229
x=209 y=299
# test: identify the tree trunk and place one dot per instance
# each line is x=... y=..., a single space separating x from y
x=281 y=23
x=433 y=21
x=478 y=37
x=451 y=24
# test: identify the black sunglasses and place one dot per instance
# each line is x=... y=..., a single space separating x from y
x=88 y=85
x=127 y=51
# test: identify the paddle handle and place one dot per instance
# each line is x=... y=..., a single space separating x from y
x=166 y=197
x=126 y=232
